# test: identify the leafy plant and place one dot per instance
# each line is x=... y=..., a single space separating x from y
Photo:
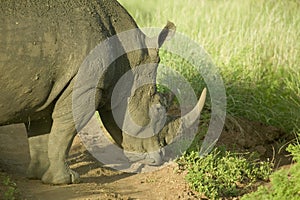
x=223 y=173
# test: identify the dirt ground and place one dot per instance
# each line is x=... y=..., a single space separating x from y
x=98 y=182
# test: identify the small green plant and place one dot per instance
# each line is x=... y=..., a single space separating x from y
x=8 y=190
x=285 y=183
x=223 y=173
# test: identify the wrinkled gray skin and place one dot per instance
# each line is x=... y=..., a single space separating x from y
x=43 y=45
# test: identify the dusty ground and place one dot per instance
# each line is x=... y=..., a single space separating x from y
x=98 y=182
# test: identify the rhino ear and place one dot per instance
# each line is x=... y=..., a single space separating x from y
x=166 y=34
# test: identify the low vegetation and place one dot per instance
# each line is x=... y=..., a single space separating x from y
x=223 y=174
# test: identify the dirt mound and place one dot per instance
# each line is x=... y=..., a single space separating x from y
x=98 y=182
x=242 y=135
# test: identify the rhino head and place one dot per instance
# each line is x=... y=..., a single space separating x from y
x=136 y=115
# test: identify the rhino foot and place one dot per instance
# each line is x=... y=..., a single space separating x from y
x=36 y=170
x=57 y=176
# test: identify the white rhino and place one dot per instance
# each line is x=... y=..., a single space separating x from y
x=43 y=44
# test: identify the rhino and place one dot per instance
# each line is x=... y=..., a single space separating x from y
x=43 y=45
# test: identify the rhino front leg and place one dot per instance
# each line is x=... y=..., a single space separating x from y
x=60 y=140
x=38 y=132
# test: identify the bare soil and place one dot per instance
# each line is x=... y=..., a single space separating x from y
x=98 y=182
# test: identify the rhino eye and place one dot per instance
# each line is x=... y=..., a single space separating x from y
x=163 y=142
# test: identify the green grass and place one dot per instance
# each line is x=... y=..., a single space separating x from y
x=254 y=43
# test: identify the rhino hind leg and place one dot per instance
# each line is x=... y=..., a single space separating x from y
x=39 y=162
x=38 y=132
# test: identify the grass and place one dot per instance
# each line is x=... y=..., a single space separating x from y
x=255 y=45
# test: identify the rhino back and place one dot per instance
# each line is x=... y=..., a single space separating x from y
x=43 y=45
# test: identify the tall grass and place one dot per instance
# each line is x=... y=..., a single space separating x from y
x=254 y=43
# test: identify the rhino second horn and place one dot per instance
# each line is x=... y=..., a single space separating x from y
x=190 y=118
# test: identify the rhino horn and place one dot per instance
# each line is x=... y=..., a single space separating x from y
x=191 y=118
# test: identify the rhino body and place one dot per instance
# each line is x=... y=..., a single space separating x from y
x=43 y=45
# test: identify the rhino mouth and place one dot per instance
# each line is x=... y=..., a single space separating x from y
x=154 y=158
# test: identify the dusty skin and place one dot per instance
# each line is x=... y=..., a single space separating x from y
x=102 y=183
